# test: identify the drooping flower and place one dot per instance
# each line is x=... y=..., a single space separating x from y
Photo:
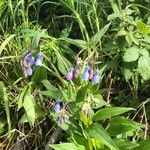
x=57 y=107
x=96 y=78
x=26 y=64
x=69 y=74
x=38 y=59
x=29 y=58
x=27 y=71
x=85 y=75
x=91 y=73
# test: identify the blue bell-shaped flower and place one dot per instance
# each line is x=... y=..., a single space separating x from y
x=38 y=59
x=85 y=75
x=57 y=107
x=96 y=78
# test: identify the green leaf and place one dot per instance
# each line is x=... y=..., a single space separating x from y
x=144 y=67
x=97 y=37
x=82 y=93
x=110 y=112
x=131 y=54
x=96 y=131
x=52 y=94
x=40 y=74
x=124 y=144
x=142 y=27
x=28 y=104
x=66 y=146
x=7 y=40
x=98 y=101
x=77 y=42
x=144 y=145
x=49 y=86
x=6 y=106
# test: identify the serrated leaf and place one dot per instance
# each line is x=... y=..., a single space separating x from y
x=66 y=146
x=96 y=131
x=144 y=67
x=106 y=113
x=131 y=54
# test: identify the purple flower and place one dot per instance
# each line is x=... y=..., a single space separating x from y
x=57 y=107
x=38 y=59
x=91 y=74
x=29 y=58
x=27 y=71
x=96 y=78
x=69 y=75
x=76 y=73
x=85 y=75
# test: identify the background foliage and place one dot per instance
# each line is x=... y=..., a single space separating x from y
x=112 y=37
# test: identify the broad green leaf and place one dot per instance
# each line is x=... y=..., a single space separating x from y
x=21 y=97
x=39 y=112
x=142 y=27
x=106 y=113
x=96 y=131
x=52 y=94
x=66 y=146
x=49 y=86
x=131 y=54
x=97 y=37
x=122 y=125
x=144 y=67
x=115 y=130
x=40 y=74
x=144 y=145
x=125 y=144
x=82 y=93
x=124 y=121
x=28 y=104
x=144 y=52
x=98 y=101
x=7 y=40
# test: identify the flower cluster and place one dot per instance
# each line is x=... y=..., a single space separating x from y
x=29 y=61
x=72 y=73
x=89 y=74
x=62 y=113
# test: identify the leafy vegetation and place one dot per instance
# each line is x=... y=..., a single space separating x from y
x=74 y=74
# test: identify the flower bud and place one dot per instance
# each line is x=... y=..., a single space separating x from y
x=38 y=59
x=57 y=107
x=86 y=109
x=96 y=78
x=69 y=75
x=85 y=75
x=76 y=73
x=91 y=74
